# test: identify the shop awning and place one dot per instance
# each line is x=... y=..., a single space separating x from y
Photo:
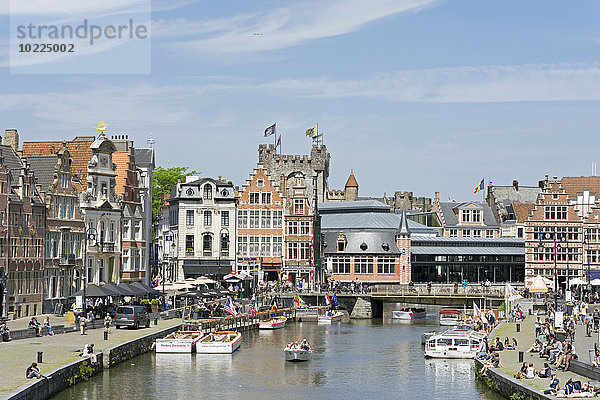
x=206 y=267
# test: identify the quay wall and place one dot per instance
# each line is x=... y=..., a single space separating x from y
x=59 y=379
x=69 y=374
x=507 y=386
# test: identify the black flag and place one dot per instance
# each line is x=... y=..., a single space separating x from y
x=270 y=130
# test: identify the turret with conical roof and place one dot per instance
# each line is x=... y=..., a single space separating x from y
x=351 y=188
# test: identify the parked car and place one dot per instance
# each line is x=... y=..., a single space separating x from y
x=134 y=316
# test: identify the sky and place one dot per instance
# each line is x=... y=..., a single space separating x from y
x=413 y=95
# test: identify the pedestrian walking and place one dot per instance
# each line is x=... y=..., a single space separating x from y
x=82 y=324
x=107 y=322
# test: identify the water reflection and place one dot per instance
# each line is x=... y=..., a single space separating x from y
x=360 y=359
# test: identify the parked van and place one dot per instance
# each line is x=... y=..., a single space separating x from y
x=134 y=316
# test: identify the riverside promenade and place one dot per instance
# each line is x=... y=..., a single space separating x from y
x=17 y=355
x=509 y=359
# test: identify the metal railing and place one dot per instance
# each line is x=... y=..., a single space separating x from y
x=439 y=290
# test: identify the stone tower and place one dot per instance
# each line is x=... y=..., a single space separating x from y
x=351 y=188
x=403 y=243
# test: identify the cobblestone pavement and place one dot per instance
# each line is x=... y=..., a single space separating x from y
x=17 y=355
x=509 y=359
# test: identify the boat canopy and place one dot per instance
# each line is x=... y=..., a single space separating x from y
x=450 y=311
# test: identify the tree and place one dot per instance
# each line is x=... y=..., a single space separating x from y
x=163 y=181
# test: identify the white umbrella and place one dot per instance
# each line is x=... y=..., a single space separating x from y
x=595 y=282
x=577 y=281
x=537 y=285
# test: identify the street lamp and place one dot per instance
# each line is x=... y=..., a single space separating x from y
x=586 y=241
x=168 y=238
x=90 y=235
x=222 y=239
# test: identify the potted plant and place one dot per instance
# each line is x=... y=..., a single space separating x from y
x=155 y=305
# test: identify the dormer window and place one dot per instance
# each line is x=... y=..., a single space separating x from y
x=207 y=192
x=476 y=215
x=465 y=216
x=260 y=183
x=341 y=243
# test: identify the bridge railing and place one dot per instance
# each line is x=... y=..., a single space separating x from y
x=445 y=290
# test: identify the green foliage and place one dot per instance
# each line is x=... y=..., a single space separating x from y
x=155 y=302
x=502 y=306
x=163 y=181
x=144 y=302
x=516 y=396
x=85 y=371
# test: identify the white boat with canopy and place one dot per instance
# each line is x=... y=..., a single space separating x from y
x=219 y=342
x=456 y=343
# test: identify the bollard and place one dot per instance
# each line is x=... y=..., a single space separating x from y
x=155 y=321
x=40 y=353
x=518 y=327
x=105 y=335
x=521 y=356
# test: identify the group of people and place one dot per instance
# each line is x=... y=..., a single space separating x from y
x=4 y=332
x=559 y=353
x=35 y=325
x=304 y=345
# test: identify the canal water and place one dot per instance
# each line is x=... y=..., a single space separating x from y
x=360 y=359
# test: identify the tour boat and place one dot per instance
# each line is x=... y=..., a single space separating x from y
x=297 y=355
x=273 y=323
x=331 y=316
x=449 y=317
x=179 y=342
x=454 y=344
x=426 y=335
x=219 y=342
x=409 y=313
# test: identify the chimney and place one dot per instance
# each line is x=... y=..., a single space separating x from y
x=11 y=138
x=516 y=184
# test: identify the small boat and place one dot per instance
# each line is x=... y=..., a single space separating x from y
x=272 y=323
x=330 y=316
x=454 y=344
x=179 y=342
x=449 y=317
x=219 y=342
x=426 y=335
x=295 y=354
x=409 y=313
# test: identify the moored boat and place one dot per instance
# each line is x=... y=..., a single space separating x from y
x=454 y=344
x=178 y=342
x=219 y=342
x=426 y=335
x=330 y=316
x=409 y=313
x=449 y=317
x=272 y=323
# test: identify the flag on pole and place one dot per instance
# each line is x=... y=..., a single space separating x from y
x=479 y=187
x=278 y=141
x=476 y=310
x=334 y=300
x=274 y=305
x=327 y=299
x=270 y=130
x=230 y=307
x=311 y=132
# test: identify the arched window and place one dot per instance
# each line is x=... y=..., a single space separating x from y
x=207 y=245
x=207 y=192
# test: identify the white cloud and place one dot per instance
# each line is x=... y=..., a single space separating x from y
x=286 y=26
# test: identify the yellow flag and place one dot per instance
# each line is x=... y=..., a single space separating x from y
x=311 y=132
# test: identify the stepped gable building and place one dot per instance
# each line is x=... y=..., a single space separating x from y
x=303 y=183
x=511 y=206
x=134 y=250
x=466 y=219
x=260 y=226
x=565 y=222
x=22 y=221
x=101 y=208
x=65 y=229
x=145 y=164
x=202 y=222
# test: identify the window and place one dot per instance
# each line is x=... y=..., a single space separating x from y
x=363 y=265
x=476 y=215
x=260 y=183
x=207 y=192
x=138 y=230
x=207 y=245
x=292 y=227
x=340 y=265
x=277 y=219
x=63 y=207
x=225 y=244
x=299 y=206
x=64 y=180
x=254 y=198
x=265 y=219
x=242 y=219
x=277 y=241
x=136 y=260
x=466 y=233
x=254 y=217
x=125 y=259
x=207 y=218
x=266 y=198
x=292 y=250
x=253 y=246
x=304 y=250
x=242 y=245
x=189 y=217
x=466 y=215
x=555 y=212
x=265 y=246
x=453 y=233
x=189 y=244
x=341 y=245
x=224 y=218
x=111 y=235
x=386 y=265
x=305 y=227
x=490 y=233
x=476 y=233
